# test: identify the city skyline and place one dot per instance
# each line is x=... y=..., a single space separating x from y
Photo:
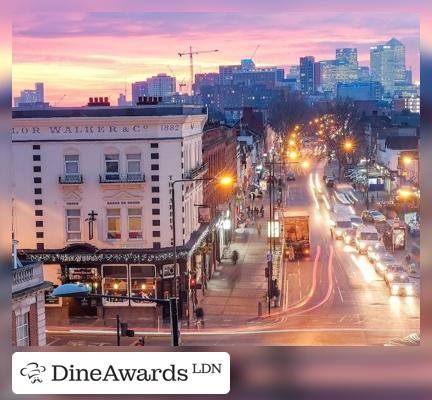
x=103 y=62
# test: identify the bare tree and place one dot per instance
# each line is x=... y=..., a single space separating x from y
x=341 y=133
x=287 y=110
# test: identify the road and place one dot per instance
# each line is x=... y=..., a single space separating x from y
x=333 y=298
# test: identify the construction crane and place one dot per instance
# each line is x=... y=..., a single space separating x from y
x=191 y=53
x=58 y=101
x=256 y=49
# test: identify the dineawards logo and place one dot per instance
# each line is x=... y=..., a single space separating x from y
x=33 y=371
x=120 y=373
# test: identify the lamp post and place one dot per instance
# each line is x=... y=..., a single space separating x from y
x=226 y=180
x=82 y=291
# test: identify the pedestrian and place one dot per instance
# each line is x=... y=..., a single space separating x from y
x=259 y=230
x=262 y=211
x=199 y=314
x=256 y=212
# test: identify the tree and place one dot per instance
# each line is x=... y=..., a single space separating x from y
x=341 y=133
x=287 y=110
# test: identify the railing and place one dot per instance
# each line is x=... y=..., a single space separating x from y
x=71 y=179
x=26 y=276
x=121 y=178
x=196 y=171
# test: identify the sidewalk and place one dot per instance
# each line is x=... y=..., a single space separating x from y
x=233 y=293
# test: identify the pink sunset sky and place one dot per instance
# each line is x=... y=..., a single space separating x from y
x=96 y=54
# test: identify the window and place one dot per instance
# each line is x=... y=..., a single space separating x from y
x=22 y=329
x=156 y=245
x=36 y=147
x=39 y=235
x=156 y=222
x=154 y=156
x=155 y=178
x=40 y=246
x=114 y=223
x=143 y=282
x=71 y=164
x=38 y=202
x=37 y=169
x=37 y=180
x=155 y=167
x=112 y=167
x=114 y=282
x=156 y=233
x=133 y=166
x=155 y=211
x=38 y=191
x=135 y=223
x=73 y=224
x=155 y=189
x=36 y=157
x=38 y=213
x=154 y=145
x=39 y=224
x=155 y=200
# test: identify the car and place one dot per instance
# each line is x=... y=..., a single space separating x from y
x=401 y=286
x=372 y=216
x=384 y=263
x=348 y=236
x=393 y=271
x=338 y=226
x=376 y=252
x=290 y=176
x=366 y=237
x=330 y=181
x=355 y=220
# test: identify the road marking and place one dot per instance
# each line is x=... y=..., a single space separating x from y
x=249 y=332
x=53 y=341
x=338 y=288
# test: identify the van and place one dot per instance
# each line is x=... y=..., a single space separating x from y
x=338 y=225
x=366 y=237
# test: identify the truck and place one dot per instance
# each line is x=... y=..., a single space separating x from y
x=296 y=233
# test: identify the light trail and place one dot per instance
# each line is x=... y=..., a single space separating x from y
x=365 y=268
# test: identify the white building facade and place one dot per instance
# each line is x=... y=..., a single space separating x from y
x=92 y=195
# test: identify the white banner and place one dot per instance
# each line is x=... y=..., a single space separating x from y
x=120 y=373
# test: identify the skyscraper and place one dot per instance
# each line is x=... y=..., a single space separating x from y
x=382 y=66
x=349 y=55
x=307 y=75
x=399 y=58
x=387 y=64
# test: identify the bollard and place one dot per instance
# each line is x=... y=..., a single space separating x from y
x=259 y=309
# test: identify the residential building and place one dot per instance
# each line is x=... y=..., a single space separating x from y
x=94 y=204
x=407 y=103
x=307 y=75
x=220 y=157
x=28 y=303
x=161 y=85
x=207 y=79
x=139 y=89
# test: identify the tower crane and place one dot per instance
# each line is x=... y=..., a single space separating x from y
x=58 y=101
x=256 y=49
x=191 y=53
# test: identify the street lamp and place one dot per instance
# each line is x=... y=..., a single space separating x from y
x=79 y=290
x=224 y=181
x=348 y=145
x=407 y=160
x=305 y=164
x=292 y=155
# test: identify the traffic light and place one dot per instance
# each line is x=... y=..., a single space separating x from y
x=124 y=331
x=192 y=283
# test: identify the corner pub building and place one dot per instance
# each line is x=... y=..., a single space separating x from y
x=92 y=202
